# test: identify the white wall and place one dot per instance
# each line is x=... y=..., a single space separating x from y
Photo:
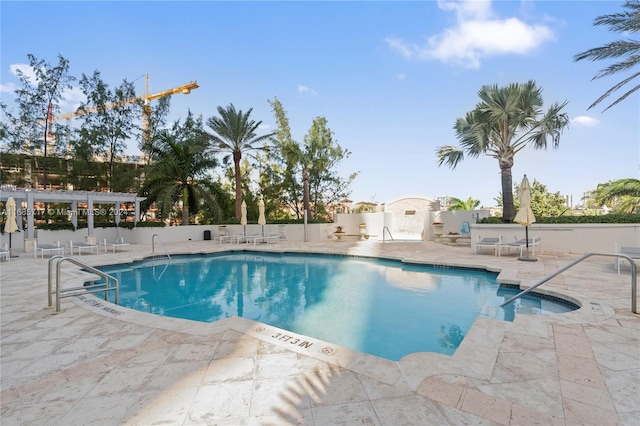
x=562 y=238
x=375 y=223
x=453 y=219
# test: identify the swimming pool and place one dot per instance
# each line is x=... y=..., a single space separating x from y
x=381 y=307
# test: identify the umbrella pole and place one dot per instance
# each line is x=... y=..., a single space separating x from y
x=526 y=256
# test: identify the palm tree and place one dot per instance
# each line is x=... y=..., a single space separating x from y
x=622 y=194
x=627 y=22
x=458 y=204
x=178 y=172
x=235 y=134
x=505 y=121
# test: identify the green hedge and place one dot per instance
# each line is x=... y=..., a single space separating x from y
x=130 y=225
x=606 y=218
x=62 y=226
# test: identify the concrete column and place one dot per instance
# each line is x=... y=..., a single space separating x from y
x=30 y=212
x=116 y=209
x=74 y=214
x=90 y=215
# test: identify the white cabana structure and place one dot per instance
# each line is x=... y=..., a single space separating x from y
x=27 y=200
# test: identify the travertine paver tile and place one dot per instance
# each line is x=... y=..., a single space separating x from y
x=193 y=352
x=276 y=365
x=618 y=357
x=342 y=387
x=123 y=380
x=376 y=389
x=229 y=370
x=525 y=416
x=240 y=347
x=478 y=403
x=107 y=409
x=219 y=401
x=516 y=342
x=577 y=413
x=378 y=368
x=630 y=419
x=167 y=407
x=522 y=366
x=281 y=395
x=586 y=395
x=353 y=413
x=178 y=375
x=439 y=390
x=580 y=370
x=131 y=337
x=542 y=395
x=624 y=388
x=34 y=414
x=408 y=410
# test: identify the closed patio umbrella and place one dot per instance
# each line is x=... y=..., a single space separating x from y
x=11 y=225
x=261 y=219
x=243 y=218
x=525 y=215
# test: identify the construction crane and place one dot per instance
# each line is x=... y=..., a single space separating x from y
x=146 y=99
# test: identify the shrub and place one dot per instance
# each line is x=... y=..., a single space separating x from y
x=607 y=218
x=130 y=225
x=61 y=226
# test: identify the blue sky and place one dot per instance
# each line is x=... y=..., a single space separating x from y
x=390 y=77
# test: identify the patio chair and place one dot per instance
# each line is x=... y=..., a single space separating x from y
x=521 y=245
x=80 y=247
x=5 y=253
x=47 y=248
x=114 y=244
x=465 y=229
x=632 y=252
x=488 y=242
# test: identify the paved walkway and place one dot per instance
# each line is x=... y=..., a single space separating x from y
x=99 y=364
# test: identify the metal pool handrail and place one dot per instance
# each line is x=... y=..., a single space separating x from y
x=153 y=245
x=74 y=291
x=386 y=228
x=634 y=293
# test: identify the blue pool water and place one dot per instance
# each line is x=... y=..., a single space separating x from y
x=381 y=307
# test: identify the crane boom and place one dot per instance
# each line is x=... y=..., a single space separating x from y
x=146 y=109
x=184 y=89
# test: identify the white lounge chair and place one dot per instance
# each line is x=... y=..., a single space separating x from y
x=488 y=242
x=5 y=253
x=521 y=245
x=47 y=248
x=267 y=238
x=114 y=244
x=632 y=252
x=80 y=247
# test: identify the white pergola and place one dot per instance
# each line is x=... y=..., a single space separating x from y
x=30 y=197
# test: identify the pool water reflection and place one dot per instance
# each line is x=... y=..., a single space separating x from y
x=381 y=307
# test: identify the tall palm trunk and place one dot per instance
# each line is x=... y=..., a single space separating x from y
x=508 y=210
x=237 y=156
x=185 y=206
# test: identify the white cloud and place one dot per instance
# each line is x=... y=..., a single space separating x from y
x=7 y=88
x=401 y=76
x=305 y=89
x=25 y=69
x=583 y=120
x=477 y=34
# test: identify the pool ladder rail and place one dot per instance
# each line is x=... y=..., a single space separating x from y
x=386 y=228
x=634 y=292
x=153 y=245
x=94 y=287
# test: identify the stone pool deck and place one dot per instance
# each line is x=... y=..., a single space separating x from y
x=100 y=364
